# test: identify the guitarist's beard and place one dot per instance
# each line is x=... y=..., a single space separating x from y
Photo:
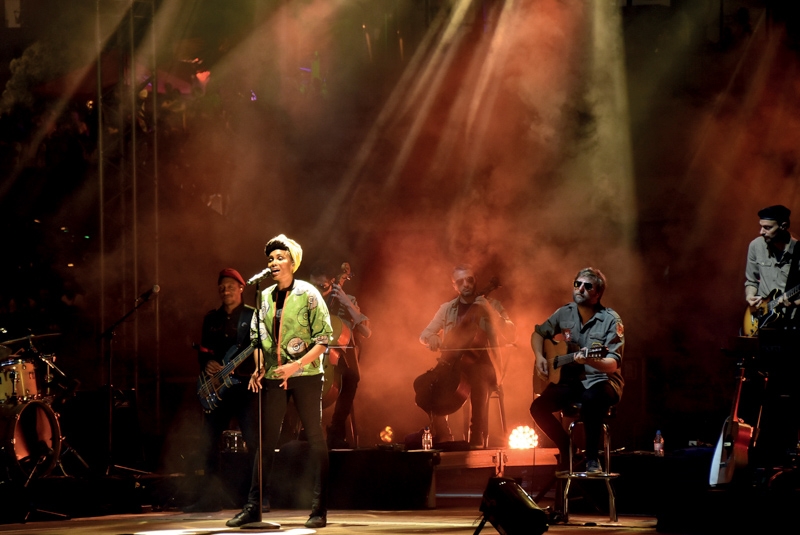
x=782 y=237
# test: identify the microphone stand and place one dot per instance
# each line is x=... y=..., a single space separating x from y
x=107 y=336
x=259 y=524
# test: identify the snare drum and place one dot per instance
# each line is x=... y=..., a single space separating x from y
x=30 y=439
x=18 y=381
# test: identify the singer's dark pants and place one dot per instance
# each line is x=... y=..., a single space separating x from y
x=595 y=402
x=307 y=394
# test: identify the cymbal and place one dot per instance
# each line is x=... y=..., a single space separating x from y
x=31 y=337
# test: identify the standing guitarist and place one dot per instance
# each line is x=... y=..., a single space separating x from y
x=481 y=362
x=770 y=260
x=224 y=330
x=585 y=323
x=344 y=307
x=772 y=286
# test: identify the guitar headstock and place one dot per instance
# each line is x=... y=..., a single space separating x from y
x=597 y=351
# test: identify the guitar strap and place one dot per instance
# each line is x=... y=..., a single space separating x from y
x=243 y=331
x=792 y=277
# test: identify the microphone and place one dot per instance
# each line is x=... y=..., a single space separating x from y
x=149 y=293
x=258 y=276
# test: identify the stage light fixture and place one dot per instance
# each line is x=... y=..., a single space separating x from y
x=523 y=438
x=510 y=510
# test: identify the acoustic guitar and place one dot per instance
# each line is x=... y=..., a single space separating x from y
x=731 y=452
x=767 y=312
x=561 y=365
x=211 y=387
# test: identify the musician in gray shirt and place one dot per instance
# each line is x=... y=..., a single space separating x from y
x=598 y=385
x=769 y=261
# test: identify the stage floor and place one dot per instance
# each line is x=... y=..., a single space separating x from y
x=453 y=521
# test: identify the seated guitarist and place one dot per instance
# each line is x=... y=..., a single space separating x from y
x=586 y=323
x=450 y=329
x=770 y=258
x=224 y=328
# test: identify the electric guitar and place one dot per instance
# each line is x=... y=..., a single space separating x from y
x=558 y=360
x=730 y=454
x=211 y=388
x=767 y=312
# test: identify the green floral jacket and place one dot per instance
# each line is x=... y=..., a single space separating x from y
x=305 y=322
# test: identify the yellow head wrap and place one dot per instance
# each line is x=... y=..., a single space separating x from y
x=288 y=244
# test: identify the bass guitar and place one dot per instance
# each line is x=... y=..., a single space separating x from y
x=560 y=358
x=768 y=311
x=211 y=387
x=731 y=452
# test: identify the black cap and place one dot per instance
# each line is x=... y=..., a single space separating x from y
x=775 y=213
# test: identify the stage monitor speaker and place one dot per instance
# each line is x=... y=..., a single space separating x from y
x=510 y=510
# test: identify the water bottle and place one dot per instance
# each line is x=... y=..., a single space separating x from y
x=427 y=439
x=658 y=444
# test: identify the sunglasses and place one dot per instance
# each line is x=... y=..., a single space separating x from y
x=468 y=280
x=587 y=285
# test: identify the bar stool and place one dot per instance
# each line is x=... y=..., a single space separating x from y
x=606 y=475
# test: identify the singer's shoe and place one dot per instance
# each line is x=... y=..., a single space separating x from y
x=248 y=515
x=316 y=521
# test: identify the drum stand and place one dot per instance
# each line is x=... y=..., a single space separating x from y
x=32 y=509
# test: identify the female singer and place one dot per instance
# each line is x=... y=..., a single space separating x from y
x=294 y=328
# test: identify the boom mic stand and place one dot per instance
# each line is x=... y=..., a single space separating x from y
x=260 y=452
x=107 y=336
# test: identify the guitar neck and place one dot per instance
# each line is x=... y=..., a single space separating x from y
x=235 y=361
x=563 y=360
x=788 y=294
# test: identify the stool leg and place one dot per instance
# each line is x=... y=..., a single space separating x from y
x=502 y=406
x=566 y=499
x=571 y=445
x=612 y=502
x=607 y=448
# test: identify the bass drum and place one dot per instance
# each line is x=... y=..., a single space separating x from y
x=30 y=439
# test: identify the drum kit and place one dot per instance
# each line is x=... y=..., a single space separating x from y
x=30 y=434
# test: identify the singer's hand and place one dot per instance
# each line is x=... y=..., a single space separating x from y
x=255 y=380
x=286 y=371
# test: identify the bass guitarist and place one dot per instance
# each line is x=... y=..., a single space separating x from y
x=770 y=279
x=598 y=385
x=481 y=326
x=226 y=329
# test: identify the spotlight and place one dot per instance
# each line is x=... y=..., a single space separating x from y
x=523 y=438
x=387 y=434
